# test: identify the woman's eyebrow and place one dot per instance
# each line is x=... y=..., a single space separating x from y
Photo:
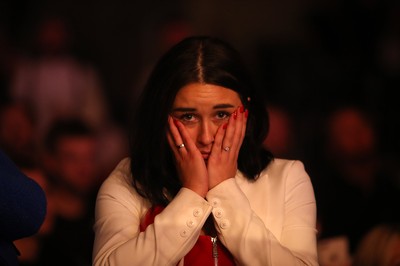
x=191 y=109
x=223 y=105
x=183 y=109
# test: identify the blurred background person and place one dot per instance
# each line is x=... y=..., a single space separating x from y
x=72 y=169
x=355 y=190
x=334 y=251
x=17 y=139
x=379 y=246
x=54 y=81
x=281 y=136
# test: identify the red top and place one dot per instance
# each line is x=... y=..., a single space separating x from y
x=202 y=252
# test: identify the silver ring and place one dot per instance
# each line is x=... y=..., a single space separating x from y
x=227 y=148
x=180 y=146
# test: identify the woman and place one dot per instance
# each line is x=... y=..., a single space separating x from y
x=198 y=187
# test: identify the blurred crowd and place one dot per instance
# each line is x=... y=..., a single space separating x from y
x=331 y=104
x=56 y=126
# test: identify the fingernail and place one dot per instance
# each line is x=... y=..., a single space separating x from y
x=241 y=109
x=234 y=115
x=225 y=126
x=175 y=122
x=246 y=114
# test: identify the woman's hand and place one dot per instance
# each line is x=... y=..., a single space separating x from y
x=222 y=163
x=190 y=164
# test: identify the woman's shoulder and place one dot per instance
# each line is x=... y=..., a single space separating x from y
x=120 y=177
x=281 y=164
x=280 y=167
x=284 y=163
x=287 y=175
x=117 y=193
x=122 y=170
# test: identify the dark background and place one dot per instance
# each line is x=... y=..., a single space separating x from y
x=305 y=54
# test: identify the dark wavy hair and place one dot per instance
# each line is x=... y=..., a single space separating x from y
x=198 y=59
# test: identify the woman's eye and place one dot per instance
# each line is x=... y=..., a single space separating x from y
x=187 y=117
x=223 y=115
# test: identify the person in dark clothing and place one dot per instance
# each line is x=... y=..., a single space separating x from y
x=22 y=208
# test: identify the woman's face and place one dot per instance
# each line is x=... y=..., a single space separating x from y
x=202 y=108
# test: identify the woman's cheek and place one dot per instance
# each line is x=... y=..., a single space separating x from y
x=193 y=132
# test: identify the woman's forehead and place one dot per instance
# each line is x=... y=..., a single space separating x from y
x=198 y=93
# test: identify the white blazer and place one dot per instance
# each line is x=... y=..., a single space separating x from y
x=269 y=221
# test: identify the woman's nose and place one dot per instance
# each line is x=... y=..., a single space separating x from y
x=207 y=132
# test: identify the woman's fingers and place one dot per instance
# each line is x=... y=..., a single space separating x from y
x=187 y=142
x=218 y=139
x=240 y=127
x=223 y=160
x=229 y=136
x=244 y=125
x=174 y=137
x=190 y=165
x=228 y=141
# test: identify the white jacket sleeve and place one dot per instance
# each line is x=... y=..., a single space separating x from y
x=270 y=221
x=118 y=240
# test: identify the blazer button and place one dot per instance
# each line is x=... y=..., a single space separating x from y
x=215 y=202
x=218 y=213
x=184 y=233
x=224 y=224
x=190 y=223
x=197 y=212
